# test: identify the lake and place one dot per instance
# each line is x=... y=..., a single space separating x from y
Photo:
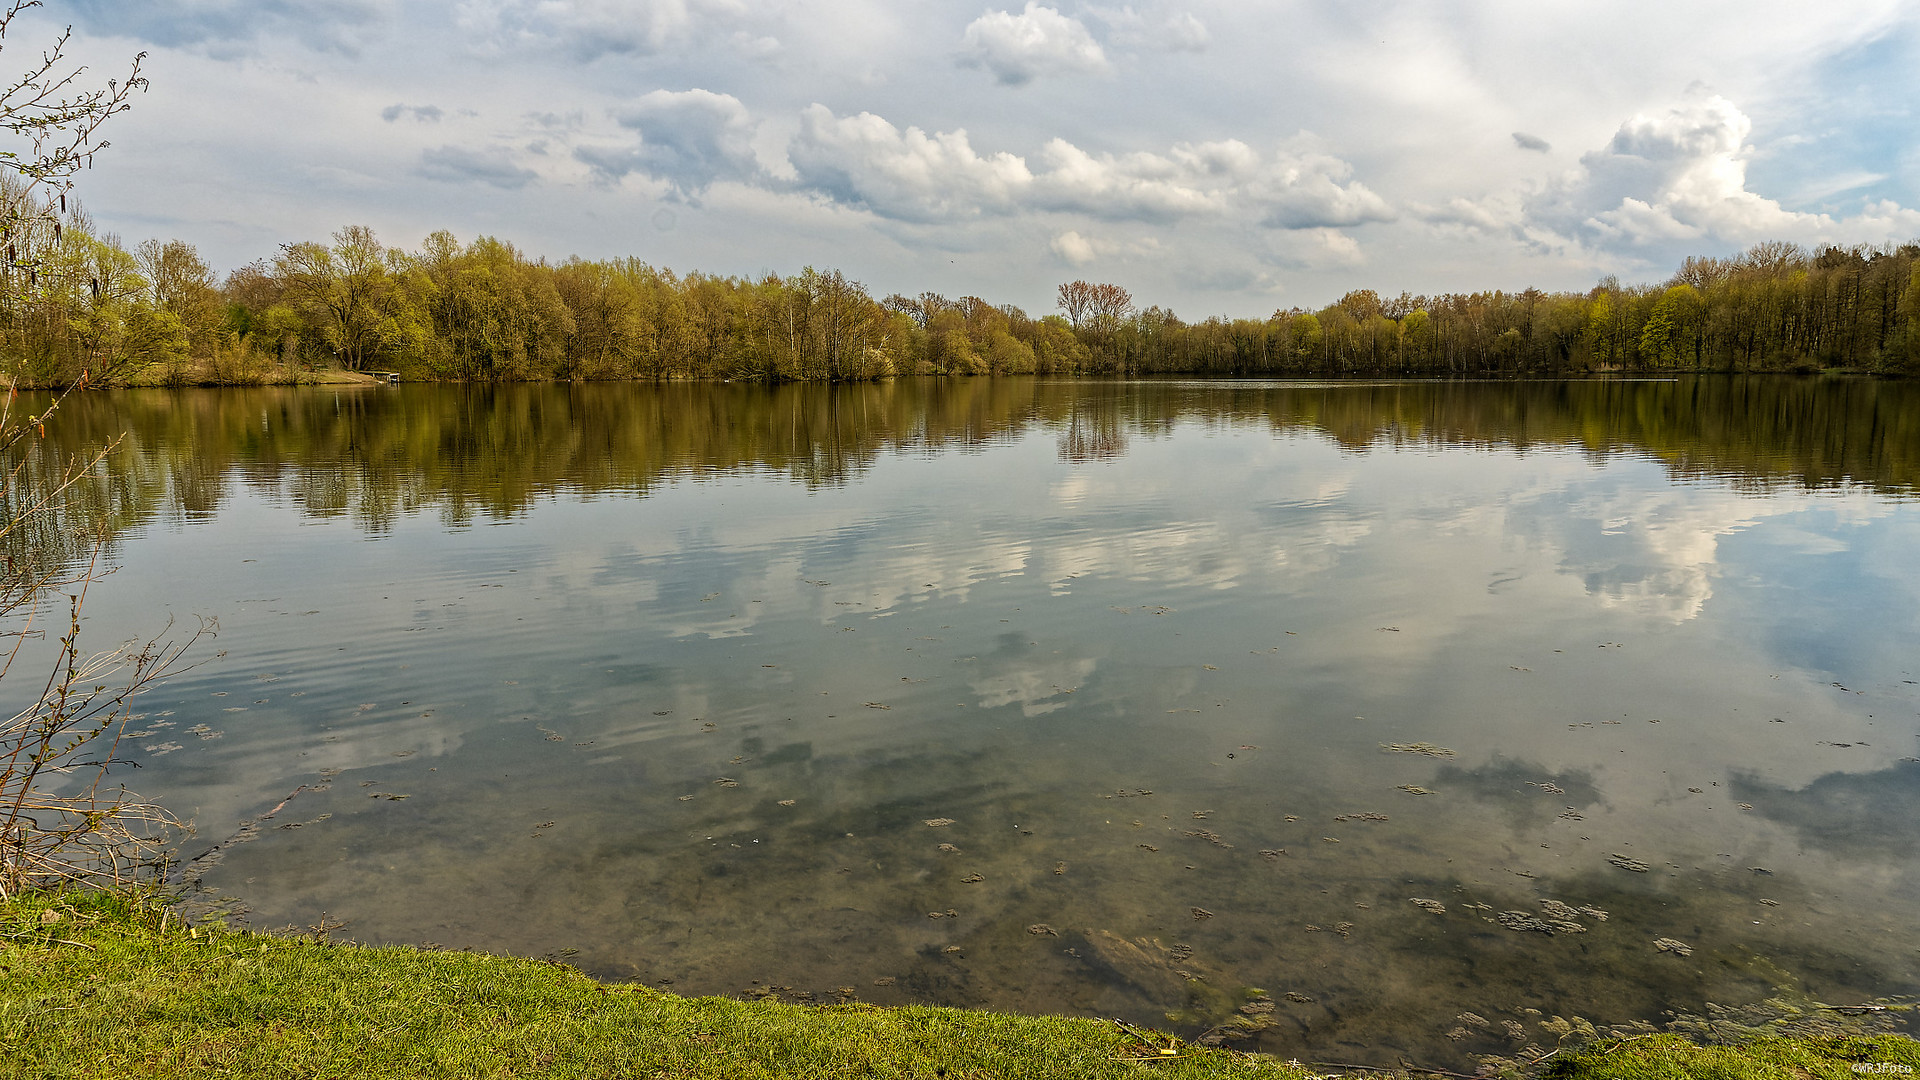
x=1400 y=702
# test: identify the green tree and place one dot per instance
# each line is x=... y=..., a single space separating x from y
x=1669 y=337
x=181 y=284
x=1307 y=338
x=346 y=294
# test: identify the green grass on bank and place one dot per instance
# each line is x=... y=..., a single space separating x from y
x=104 y=991
x=1670 y=1057
x=95 y=985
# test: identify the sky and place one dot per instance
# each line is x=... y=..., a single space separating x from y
x=1211 y=157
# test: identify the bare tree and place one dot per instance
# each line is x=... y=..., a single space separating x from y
x=1095 y=307
x=1076 y=300
x=1111 y=305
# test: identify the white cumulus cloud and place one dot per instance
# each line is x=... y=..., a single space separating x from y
x=1678 y=177
x=1310 y=189
x=1293 y=188
x=914 y=175
x=1073 y=248
x=909 y=175
x=1137 y=185
x=1039 y=41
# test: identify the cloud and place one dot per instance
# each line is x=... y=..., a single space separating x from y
x=425 y=114
x=1073 y=248
x=1677 y=179
x=689 y=138
x=1076 y=248
x=460 y=165
x=1020 y=48
x=912 y=175
x=1184 y=33
x=1295 y=188
x=1497 y=213
x=1307 y=189
x=908 y=175
x=1176 y=31
x=585 y=29
x=227 y=28
x=1139 y=185
x=555 y=121
x=1319 y=250
x=756 y=46
x=1826 y=187
x=1531 y=142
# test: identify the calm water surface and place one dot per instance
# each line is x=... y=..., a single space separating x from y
x=1059 y=697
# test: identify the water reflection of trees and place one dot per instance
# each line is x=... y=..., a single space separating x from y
x=487 y=452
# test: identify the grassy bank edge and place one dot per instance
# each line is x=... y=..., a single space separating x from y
x=111 y=985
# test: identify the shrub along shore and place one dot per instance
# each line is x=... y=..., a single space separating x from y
x=95 y=984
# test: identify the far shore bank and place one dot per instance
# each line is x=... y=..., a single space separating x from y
x=337 y=377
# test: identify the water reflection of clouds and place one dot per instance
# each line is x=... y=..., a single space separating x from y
x=899 y=564
x=1872 y=815
x=1181 y=554
x=1853 y=606
x=1037 y=687
x=260 y=754
x=1434 y=544
x=886 y=545
x=1073 y=489
x=1313 y=544
x=1656 y=550
x=1647 y=551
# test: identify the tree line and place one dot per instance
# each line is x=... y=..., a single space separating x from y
x=77 y=303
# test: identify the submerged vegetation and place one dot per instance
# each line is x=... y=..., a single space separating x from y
x=486 y=311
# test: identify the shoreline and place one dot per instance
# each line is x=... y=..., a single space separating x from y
x=335 y=377
x=98 y=983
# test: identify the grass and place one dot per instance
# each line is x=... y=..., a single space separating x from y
x=1671 y=1057
x=103 y=985
x=108 y=987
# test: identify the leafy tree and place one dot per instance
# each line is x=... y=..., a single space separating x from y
x=1307 y=336
x=345 y=293
x=181 y=284
x=1667 y=338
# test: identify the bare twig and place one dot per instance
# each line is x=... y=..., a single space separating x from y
x=59 y=819
x=61 y=816
x=47 y=106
